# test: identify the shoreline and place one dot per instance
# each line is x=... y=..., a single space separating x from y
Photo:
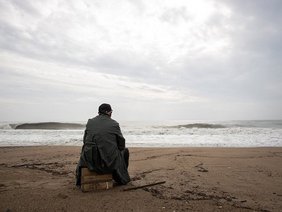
x=41 y=178
x=151 y=147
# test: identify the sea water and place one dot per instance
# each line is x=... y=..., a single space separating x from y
x=263 y=133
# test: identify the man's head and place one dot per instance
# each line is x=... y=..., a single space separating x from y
x=105 y=109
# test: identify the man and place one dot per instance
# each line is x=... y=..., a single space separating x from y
x=103 y=148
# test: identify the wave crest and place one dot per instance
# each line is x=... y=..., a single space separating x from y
x=200 y=125
x=49 y=126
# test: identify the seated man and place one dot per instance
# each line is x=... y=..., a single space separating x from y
x=103 y=148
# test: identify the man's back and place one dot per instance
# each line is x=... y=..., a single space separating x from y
x=105 y=133
x=104 y=130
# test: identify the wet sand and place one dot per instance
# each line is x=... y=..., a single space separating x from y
x=197 y=179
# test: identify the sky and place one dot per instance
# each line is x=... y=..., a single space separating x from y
x=151 y=60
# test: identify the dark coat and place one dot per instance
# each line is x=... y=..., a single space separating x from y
x=103 y=148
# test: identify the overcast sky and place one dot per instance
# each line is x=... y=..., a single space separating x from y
x=151 y=60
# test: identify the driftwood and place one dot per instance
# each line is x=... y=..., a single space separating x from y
x=144 y=186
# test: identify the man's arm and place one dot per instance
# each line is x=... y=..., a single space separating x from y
x=120 y=138
x=84 y=136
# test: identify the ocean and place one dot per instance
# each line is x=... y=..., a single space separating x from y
x=252 y=133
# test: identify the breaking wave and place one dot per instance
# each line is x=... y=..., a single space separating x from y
x=199 y=125
x=48 y=126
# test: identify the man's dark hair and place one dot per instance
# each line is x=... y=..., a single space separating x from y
x=105 y=108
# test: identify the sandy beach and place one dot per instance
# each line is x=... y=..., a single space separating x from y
x=197 y=179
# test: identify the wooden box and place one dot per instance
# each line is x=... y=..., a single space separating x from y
x=91 y=181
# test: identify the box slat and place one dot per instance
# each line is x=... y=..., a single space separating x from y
x=96 y=186
x=97 y=178
x=92 y=181
x=86 y=172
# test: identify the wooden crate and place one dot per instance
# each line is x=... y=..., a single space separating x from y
x=91 y=181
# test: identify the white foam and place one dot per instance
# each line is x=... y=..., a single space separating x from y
x=146 y=135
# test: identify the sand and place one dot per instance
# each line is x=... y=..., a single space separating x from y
x=197 y=179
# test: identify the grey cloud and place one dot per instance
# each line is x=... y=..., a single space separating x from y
x=257 y=45
x=23 y=87
x=49 y=42
x=24 y=7
x=124 y=63
x=238 y=78
x=252 y=70
x=258 y=24
x=248 y=74
x=269 y=11
x=45 y=40
x=139 y=5
x=175 y=15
